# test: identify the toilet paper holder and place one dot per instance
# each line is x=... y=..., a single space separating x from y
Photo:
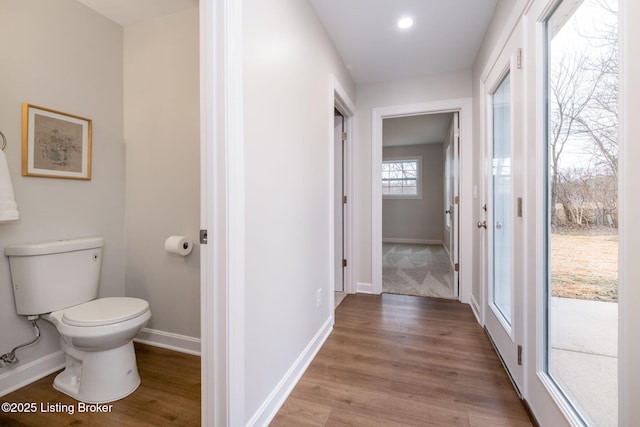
x=179 y=245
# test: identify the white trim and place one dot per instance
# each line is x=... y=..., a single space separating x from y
x=277 y=397
x=545 y=402
x=170 y=341
x=364 y=288
x=629 y=272
x=27 y=373
x=413 y=241
x=235 y=208
x=212 y=366
x=464 y=106
x=222 y=213
x=475 y=307
x=341 y=100
x=517 y=12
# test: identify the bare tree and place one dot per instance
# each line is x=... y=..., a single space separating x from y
x=583 y=98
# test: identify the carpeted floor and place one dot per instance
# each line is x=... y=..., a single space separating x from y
x=422 y=270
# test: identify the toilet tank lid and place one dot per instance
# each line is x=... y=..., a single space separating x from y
x=56 y=246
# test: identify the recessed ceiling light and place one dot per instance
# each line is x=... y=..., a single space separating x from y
x=405 y=22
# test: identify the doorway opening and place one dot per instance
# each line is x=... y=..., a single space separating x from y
x=461 y=106
x=419 y=210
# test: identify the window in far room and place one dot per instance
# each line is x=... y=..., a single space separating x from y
x=401 y=178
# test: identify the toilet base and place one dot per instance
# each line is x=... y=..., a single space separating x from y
x=99 y=376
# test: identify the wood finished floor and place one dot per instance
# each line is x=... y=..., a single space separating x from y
x=168 y=395
x=396 y=360
x=391 y=360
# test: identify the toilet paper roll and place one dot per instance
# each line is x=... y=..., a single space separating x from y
x=180 y=245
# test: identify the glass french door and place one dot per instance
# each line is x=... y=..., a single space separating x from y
x=503 y=311
x=581 y=224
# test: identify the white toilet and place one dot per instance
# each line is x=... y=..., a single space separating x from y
x=58 y=281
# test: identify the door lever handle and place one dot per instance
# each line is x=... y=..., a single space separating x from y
x=482 y=224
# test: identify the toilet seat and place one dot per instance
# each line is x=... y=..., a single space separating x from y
x=104 y=311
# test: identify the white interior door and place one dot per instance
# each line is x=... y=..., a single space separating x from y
x=339 y=200
x=452 y=189
x=504 y=292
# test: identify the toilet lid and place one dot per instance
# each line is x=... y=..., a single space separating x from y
x=104 y=311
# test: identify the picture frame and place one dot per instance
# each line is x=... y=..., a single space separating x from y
x=55 y=144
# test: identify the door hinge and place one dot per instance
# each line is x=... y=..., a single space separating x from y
x=344 y=136
x=456 y=200
x=519 y=59
x=456 y=133
x=344 y=262
x=456 y=267
x=519 y=207
x=344 y=199
x=203 y=237
x=520 y=355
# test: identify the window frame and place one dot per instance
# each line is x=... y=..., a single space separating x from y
x=419 y=178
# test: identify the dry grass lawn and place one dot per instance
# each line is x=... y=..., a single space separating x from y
x=585 y=264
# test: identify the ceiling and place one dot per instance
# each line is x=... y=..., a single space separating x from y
x=414 y=130
x=445 y=37
x=127 y=12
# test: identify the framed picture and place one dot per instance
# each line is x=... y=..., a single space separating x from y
x=55 y=144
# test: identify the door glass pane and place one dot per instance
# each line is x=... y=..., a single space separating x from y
x=582 y=213
x=501 y=181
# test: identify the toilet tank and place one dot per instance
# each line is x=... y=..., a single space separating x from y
x=50 y=276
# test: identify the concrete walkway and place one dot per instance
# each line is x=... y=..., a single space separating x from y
x=584 y=356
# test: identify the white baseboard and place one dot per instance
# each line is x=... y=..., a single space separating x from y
x=364 y=288
x=276 y=399
x=475 y=308
x=170 y=341
x=446 y=249
x=23 y=375
x=412 y=241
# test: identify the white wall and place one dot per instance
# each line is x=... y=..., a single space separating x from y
x=161 y=116
x=426 y=89
x=61 y=55
x=422 y=218
x=288 y=116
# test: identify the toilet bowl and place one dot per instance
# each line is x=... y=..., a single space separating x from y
x=97 y=338
x=58 y=281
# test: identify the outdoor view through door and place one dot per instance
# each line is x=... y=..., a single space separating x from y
x=582 y=216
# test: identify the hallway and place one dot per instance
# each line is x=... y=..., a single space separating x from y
x=401 y=360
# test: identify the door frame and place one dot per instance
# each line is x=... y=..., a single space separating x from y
x=464 y=107
x=221 y=213
x=453 y=208
x=340 y=100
